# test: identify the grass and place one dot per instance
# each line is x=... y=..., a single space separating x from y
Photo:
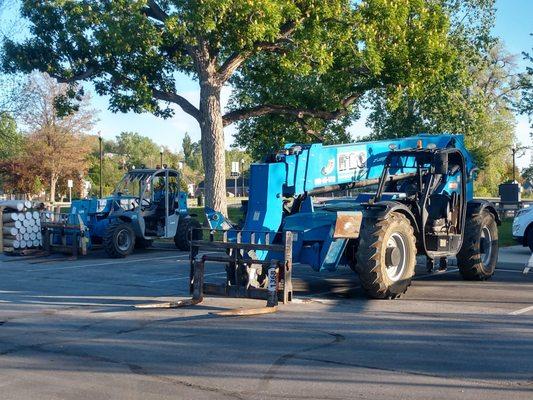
x=235 y=214
x=505 y=235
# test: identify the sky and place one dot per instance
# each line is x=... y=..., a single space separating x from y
x=514 y=23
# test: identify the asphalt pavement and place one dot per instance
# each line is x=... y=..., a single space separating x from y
x=69 y=330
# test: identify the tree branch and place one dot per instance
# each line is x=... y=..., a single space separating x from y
x=89 y=72
x=155 y=11
x=257 y=111
x=179 y=100
x=236 y=59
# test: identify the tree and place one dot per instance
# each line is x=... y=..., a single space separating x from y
x=526 y=104
x=131 y=50
x=56 y=146
x=138 y=150
x=10 y=138
x=192 y=153
x=477 y=101
x=384 y=45
x=527 y=174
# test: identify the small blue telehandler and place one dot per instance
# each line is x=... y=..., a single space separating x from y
x=146 y=204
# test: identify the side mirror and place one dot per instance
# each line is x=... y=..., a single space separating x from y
x=440 y=163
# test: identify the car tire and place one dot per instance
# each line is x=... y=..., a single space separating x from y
x=529 y=237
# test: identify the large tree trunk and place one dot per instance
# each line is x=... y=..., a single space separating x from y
x=213 y=150
x=53 y=184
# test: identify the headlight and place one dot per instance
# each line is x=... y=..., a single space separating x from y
x=523 y=211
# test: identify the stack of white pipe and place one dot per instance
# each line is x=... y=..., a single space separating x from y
x=21 y=225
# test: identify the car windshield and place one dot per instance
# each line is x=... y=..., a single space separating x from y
x=131 y=183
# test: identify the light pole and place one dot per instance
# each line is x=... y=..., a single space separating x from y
x=242 y=177
x=161 y=157
x=101 y=157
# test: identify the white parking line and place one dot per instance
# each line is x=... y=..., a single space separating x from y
x=521 y=311
x=509 y=270
x=129 y=261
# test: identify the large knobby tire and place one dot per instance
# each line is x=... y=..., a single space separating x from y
x=386 y=256
x=479 y=253
x=182 y=239
x=119 y=239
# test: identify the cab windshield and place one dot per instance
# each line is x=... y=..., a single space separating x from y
x=132 y=183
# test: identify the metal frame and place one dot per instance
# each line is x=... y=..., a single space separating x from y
x=234 y=256
x=61 y=225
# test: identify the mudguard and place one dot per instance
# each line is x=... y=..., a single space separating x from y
x=382 y=209
x=476 y=207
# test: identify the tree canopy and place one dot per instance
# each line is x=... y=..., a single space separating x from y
x=309 y=62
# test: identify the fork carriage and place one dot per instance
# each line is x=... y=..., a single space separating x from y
x=246 y=274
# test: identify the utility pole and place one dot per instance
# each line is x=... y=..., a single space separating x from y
x=101 y=157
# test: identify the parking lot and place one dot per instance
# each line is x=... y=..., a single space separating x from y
x=68 y=330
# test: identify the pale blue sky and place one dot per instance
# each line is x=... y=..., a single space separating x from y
x=514 y=23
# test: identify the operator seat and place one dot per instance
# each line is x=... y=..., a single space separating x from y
x=438 y=209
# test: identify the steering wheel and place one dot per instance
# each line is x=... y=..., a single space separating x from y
x=145 y=203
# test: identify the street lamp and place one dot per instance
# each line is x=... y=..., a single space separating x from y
x=161 y=157
x=242 y=176
x=101 y=157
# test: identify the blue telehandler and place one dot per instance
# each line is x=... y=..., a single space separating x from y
x=410 y=196
x=146 y=204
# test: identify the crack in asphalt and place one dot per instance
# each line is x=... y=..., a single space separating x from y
x=280 y=361
x=133 y=368
x=406 y=372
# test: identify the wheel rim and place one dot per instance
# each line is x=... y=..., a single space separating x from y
x=485 y=246
x=395 y=257
x=123 y=240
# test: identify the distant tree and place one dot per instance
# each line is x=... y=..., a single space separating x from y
x=526 y=104
x=56 y=146
x=10 y=138
x=527 y=174
x=192 y=152
x=138 y=150
x=188 y=147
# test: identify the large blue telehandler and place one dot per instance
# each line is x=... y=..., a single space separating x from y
x=411 y=196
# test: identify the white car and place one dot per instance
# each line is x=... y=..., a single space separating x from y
x=523 y=227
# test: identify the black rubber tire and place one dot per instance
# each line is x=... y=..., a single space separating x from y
x=371 y=253
x=110 y=240
x=141 y=243
x=182 y=239
x=469 y=259
x=529 y=237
